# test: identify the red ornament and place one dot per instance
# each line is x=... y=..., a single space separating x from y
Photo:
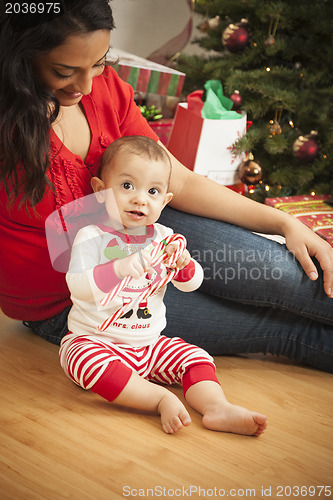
x=306 y=148
x=236 y=98
x=236 y=36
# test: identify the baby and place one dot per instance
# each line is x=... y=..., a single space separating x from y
x=117 y=278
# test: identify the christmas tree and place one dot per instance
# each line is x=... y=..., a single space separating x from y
x=275 y=60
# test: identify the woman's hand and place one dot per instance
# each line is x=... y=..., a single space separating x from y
x=304 y=244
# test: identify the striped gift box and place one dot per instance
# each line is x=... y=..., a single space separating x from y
x=146 y=76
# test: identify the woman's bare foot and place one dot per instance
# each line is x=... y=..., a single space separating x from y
x=173 y=413
x=231 y=418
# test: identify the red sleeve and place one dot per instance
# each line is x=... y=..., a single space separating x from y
x=187 y=273
x=105 y=276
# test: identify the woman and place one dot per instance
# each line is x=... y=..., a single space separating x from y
x=59 y=109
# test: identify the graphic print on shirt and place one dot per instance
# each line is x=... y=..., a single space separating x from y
x=118 y=249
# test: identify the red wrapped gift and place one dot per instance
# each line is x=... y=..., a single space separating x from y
x=162 y=128
x=316 y=212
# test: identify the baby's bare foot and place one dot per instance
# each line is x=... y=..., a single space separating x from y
x=173 y=413
x=231 y=418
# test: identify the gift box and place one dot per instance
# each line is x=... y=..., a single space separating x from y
x=316 y=212
x=162 y=129
x=207 y=145
x=146 y=76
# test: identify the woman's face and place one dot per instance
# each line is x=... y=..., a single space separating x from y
x=67 y=71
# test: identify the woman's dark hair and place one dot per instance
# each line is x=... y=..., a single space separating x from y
x=25 y=118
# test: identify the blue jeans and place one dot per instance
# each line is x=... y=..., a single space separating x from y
x=255 y=296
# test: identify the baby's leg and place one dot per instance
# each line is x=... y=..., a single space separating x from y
x=121 y=385
x=94 y=365
x=207 y=398
x=144 y=395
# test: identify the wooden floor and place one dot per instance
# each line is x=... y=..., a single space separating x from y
x=59 y=442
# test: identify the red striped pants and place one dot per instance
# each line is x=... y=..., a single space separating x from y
x=105 y=368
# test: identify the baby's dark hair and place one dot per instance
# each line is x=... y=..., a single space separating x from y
x=138 y=145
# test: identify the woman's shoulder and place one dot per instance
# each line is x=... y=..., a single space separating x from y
x=110 y=82
x=113 y=101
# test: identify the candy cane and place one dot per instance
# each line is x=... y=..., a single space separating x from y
x=158 y=255
x=116 y=290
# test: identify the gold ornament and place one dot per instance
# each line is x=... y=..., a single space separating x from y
x=250 y=172
x=275 y=128
x=269 y=41
x=210 y=24
x=274 y=125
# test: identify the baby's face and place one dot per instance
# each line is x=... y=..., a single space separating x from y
x=139 y=186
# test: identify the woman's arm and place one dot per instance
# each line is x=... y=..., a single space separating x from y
x=198 y=195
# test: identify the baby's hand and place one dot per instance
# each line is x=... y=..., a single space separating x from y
x=183 y=259
x=135 y=265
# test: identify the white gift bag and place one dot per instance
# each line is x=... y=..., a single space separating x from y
x=206 y=146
